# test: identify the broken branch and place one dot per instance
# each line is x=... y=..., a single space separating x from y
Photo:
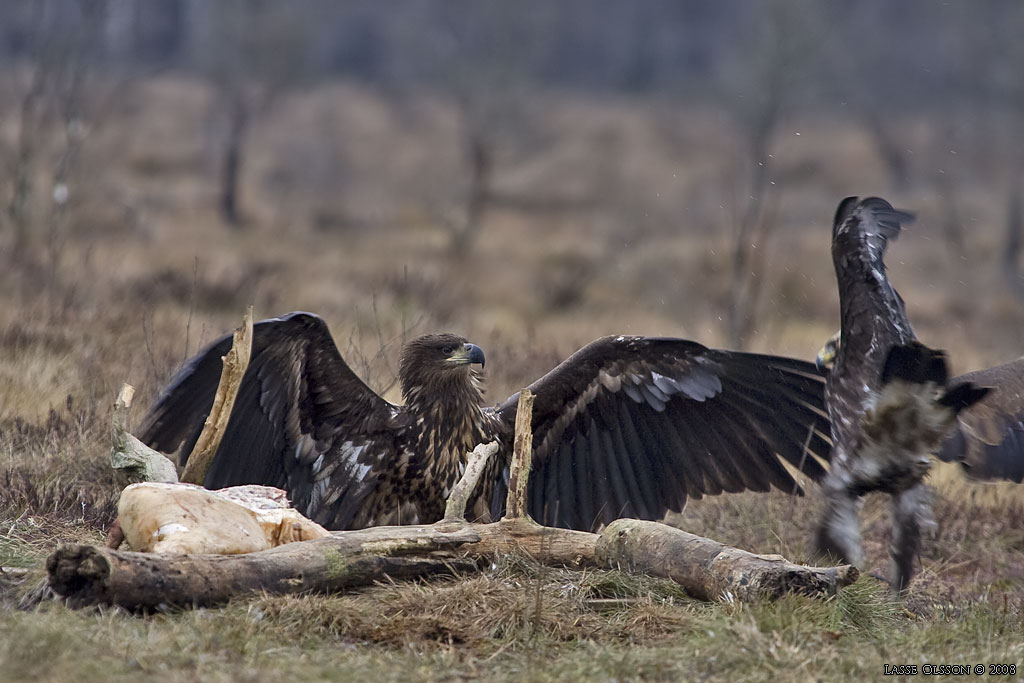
x=522 y=458
x=706 y=569
x=455 y=509
x=235 y=363
x=710 y=570
x=87 y=575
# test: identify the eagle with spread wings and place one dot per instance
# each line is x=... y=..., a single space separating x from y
x=625 y=427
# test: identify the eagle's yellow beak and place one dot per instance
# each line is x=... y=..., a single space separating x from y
x=827 y=355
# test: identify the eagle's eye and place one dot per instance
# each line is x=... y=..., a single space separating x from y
x=447 y=350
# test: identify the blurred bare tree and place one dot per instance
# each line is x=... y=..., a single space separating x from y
x=63 y=40
x=254 y=52
x=762 y=84
x=486 y=61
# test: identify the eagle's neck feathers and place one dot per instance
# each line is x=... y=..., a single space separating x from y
x=449 y=421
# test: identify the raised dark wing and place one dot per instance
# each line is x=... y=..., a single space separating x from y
x=632 y=426
x=989 y=437
x=302 y=420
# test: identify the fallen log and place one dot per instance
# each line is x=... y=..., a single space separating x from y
x=348 y=559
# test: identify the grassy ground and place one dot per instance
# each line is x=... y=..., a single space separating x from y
x=142 y=273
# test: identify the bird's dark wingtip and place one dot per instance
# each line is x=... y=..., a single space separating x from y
x=915 y=363
x=963 y=396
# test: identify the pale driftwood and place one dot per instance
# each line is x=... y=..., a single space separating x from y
x=236 y=361
x=710 y=570
x=522 y=458
x=131 y=456
x=455 y=509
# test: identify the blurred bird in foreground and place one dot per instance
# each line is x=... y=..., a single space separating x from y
x=889 y=397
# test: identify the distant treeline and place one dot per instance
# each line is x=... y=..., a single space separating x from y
x=904 y=51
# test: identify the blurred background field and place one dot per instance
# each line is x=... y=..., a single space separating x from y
x=531 y=175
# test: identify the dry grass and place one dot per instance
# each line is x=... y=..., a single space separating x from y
x=146 y=274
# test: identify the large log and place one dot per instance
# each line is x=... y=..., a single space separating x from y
x=347 y=559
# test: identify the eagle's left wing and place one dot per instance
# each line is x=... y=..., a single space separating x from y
x=632 y=426
x=302 y=421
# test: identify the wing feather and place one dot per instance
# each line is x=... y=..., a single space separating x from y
x=645 y=472
x=587 y=512
x=604 y=493
x=631 y=470
x=566 y=488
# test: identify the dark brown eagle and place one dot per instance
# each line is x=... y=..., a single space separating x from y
x=889 y=397
x=988 y=437
x=625 y=427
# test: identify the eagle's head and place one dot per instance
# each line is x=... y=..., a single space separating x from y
x=434 y=362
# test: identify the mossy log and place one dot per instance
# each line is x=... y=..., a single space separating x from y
x=88 y=575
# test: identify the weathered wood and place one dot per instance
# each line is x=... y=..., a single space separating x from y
x=235 y=363
x=455 y=509
x=522 y=458
x=348 y=559
x=708 y=569
x=87 y=575
x=91 y=575
x=547 y=545
x=131 y=456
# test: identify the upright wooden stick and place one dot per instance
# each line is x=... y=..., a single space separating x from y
x=522 y=458
x=235 y=363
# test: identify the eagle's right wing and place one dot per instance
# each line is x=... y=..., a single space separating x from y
x=989 y=437
x=633 y=426
x=302 y=420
